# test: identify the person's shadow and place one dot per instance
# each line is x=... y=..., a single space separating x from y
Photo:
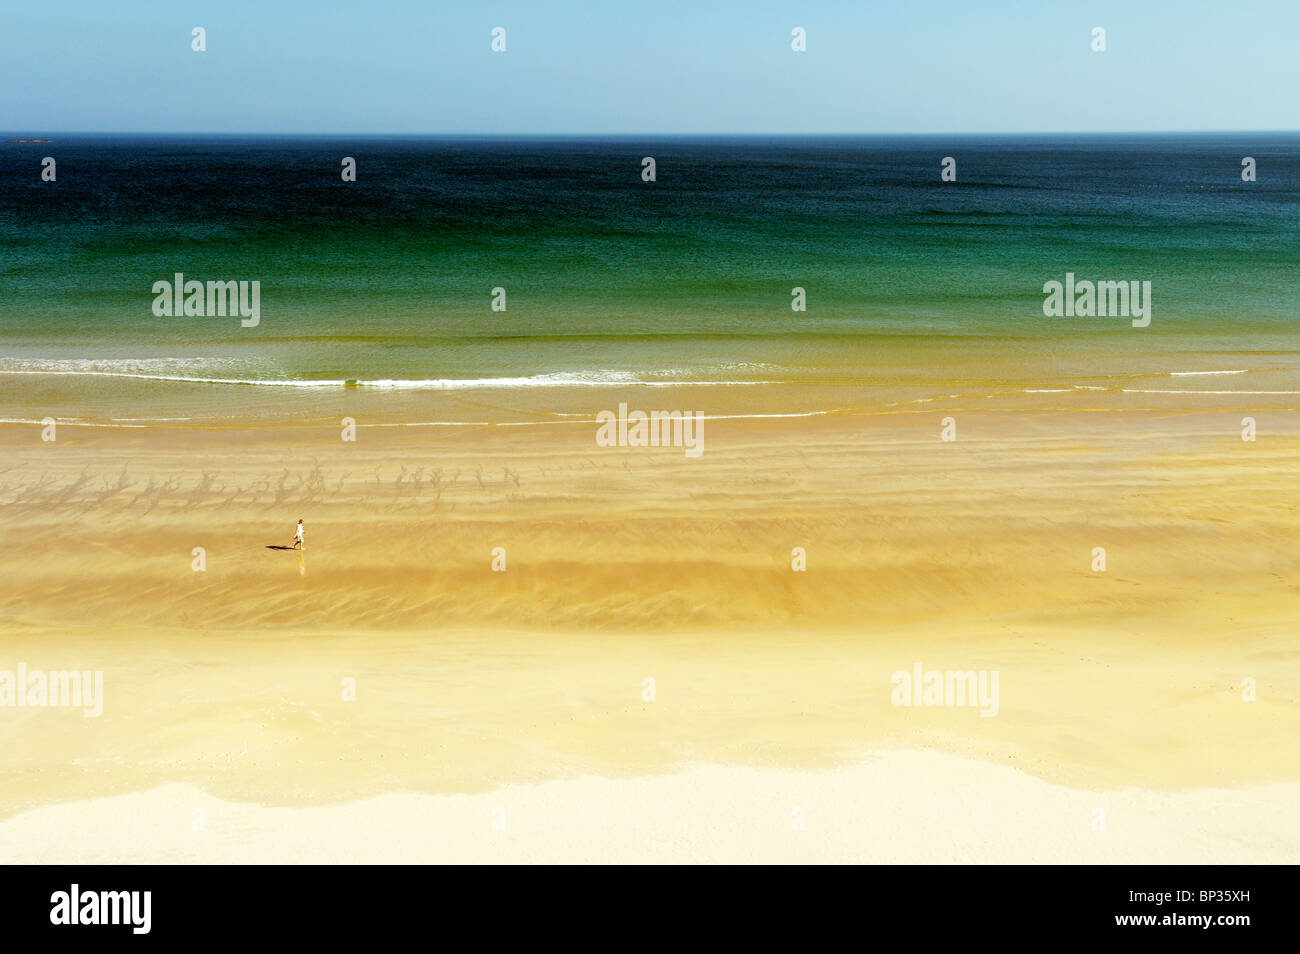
x=279 y=548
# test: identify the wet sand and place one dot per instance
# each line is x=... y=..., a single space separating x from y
x=625 y=565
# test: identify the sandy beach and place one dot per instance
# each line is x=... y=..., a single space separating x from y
x=889 y=808
x=648 y=650
x=855 y=434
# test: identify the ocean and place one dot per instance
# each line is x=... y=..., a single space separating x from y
x=609 y=281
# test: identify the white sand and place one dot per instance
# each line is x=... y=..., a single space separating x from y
x=904 y=806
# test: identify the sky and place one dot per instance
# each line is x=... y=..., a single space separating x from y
x=654 y=67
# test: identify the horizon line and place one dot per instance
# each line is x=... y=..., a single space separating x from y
x=636 y=135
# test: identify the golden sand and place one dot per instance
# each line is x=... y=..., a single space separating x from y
x=627 y=565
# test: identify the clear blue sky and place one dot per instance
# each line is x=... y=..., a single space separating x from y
x=661 y=66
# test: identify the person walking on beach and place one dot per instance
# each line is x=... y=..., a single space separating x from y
x=297 y=536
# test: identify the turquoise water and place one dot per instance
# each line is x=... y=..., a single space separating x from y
x=388 y=280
